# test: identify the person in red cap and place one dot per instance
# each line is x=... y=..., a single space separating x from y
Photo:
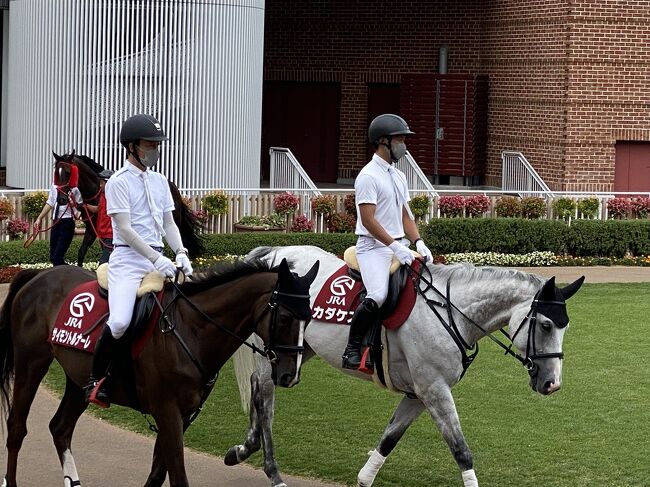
x=103 y=224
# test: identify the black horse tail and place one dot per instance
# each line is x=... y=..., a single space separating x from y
x=188 y=225
x=6 y=345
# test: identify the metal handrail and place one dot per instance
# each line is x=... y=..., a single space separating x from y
x=286 y=171
x=517 y=175
x=415 y=178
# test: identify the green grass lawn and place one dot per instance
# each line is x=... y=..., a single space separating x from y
x=593 y=432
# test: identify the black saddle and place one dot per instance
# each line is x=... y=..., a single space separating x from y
x=396 y=283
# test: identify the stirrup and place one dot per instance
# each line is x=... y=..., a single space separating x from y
x=97 y=396
x=366 y=366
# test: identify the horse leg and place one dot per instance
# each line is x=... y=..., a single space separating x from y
x=89 y=238
x=170 y=443
x=62 y=425
x=440 y=404
x=407 y=411
x=158 y=468
x=28 y=376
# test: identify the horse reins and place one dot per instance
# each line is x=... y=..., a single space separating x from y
x=462 y=345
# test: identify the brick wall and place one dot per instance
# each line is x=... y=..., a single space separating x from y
x=567 y=77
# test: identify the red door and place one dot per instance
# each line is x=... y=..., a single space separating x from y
x=305 y=118
x=632 y=170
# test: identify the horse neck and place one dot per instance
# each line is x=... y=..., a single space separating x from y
x=490 y=303
x=231 y=306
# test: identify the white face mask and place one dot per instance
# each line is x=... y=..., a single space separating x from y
x=397 y=151
x=150 y=158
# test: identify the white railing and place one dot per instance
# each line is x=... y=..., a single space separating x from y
x=517 y=175
x=286 y=172
x=417 y=181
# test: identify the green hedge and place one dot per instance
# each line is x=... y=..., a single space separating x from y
x=584 y=238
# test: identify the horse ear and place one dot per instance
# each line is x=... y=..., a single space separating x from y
x=312 y=273
x=72 y=154
x=283 y=269
x=56 y=156
x=572 y=288
x=548 y=290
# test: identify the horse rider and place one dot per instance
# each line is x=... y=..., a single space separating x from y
x=383 y=220
x=103 y=225
x=140 y=204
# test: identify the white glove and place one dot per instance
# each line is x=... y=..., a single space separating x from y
x=403 y=254
x=165 y=266
x=183 y=261
x=424 y=251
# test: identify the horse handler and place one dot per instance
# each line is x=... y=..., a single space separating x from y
x=383 y=220
x=140 y=204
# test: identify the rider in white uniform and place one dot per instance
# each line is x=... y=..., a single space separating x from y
x=140 y=205
x=383 y=220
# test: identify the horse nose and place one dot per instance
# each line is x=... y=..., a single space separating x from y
x=286 y=380
x=551 y=386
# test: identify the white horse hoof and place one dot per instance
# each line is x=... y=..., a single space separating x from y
x=281 y=485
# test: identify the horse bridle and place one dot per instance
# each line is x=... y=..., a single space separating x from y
x=275 y=304
x=451 y=327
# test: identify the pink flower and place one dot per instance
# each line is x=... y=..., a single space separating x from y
x=451 y=205
x=302 y=224
x=477 y=205
x=285 y=203
x=619 y=207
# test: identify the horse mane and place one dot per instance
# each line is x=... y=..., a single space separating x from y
x=223 y=272
x=187 y=223
x=466 y=272
x=90 y=163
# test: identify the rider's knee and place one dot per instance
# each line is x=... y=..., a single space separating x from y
x=118 y=329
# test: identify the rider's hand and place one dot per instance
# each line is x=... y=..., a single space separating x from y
x=404 y=255
x=423 y=250
x=183 y=261
x=37 y=227
x=165 y=266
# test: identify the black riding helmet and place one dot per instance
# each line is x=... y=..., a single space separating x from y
x=141 y=127
x=387 y=125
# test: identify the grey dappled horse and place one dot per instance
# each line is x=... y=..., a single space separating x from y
x=424 y=361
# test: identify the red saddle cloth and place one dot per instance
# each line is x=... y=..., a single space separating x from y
x=81 y=319
x=340 y=296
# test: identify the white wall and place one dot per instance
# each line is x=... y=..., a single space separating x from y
x=78 y=68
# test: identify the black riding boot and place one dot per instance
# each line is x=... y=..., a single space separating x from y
x=364 y=317
x=97 y=389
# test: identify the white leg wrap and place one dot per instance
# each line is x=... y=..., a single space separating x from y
x=469 y=478
x=369 y=471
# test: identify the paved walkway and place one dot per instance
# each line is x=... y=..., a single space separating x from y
x=124 y=457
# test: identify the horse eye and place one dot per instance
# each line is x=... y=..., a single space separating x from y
x=546 y=326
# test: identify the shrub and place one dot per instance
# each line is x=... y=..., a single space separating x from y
x=451 y=205
x=588 y=207
x=6 y=209
x=341 y=223
x=641 y=207
x=508 y=206
x=349 y=203
x=8 y=273
x=33 y=203
x=420 y=205
x=323 y=205
x=533 y=207
x=302 y=224
x=476 y=205
x=269 y=221
x=285 y=203
x=201 y=216
x=564 y=208
x=618 y=208
x=215 y=203
x=17 y=229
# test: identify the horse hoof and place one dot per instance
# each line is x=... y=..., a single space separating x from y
x=232 y=457
x=280 y=485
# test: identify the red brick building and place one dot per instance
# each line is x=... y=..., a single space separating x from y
x=567 y=82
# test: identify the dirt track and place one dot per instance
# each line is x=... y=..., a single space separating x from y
x=124 y=457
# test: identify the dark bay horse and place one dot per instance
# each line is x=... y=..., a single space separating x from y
x=213 y=315
x=88 y=183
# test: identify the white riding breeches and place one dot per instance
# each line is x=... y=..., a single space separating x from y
x=374 y=263
x=125 y=272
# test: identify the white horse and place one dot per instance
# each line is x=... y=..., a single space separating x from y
x=425 y=359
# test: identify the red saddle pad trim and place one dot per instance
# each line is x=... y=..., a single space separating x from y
x=82 y=316
x=340 y=296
